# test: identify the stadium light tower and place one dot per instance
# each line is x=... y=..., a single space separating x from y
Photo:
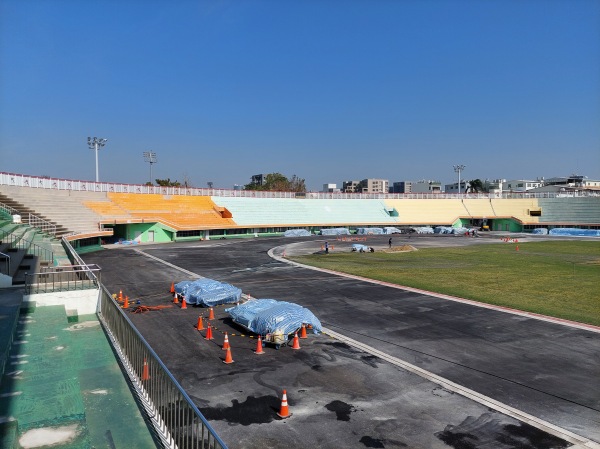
x=458 y=169
x=95 y=143
x=150 y=157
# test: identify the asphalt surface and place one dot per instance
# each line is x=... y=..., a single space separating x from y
x=342 y=397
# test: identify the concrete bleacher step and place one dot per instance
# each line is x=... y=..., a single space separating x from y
x=64 y=374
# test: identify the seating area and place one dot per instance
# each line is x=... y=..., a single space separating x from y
x=61 y=207
x=177 y=211
x=256 y=212
x=570 y=211
x=26 y=249
x=443 y=211
x=515 y=208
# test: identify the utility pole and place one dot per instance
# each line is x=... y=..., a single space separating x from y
x=95 y=143
x=150 y=157
x=458 y=169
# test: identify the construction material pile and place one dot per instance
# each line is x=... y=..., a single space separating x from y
x=269 y=316
x=369 y=231
x=208 y=292
x=296 y=233
x=335 y=231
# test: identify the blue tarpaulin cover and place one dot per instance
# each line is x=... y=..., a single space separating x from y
x=269 y=316
x=575 y=232
x=335 y=231
x=208 y=292
x=360 y=248
x=296 y=233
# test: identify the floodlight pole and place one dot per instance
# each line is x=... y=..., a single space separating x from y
x=95 y=143
x=150 y=157
x=458 y=169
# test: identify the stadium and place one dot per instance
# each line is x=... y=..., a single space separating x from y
x=97 y=351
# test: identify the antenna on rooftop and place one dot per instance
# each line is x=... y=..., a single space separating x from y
x=150 y=157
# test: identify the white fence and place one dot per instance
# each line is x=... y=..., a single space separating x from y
x=12 y=179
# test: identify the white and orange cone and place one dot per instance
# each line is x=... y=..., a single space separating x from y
x=284 y=411
x=259 y=347
x=226 y=343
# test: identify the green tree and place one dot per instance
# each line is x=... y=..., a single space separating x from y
x=167 y=183
x=476 y=186
x=278 y=182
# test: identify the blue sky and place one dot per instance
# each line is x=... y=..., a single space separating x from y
x=326 y=90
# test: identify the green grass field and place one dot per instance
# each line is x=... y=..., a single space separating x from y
x=560 y=279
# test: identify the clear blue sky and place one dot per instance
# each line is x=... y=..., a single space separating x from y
x=326 y=90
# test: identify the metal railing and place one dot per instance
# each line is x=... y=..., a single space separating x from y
x=19 y=242
x=175 y=416
x=13 y=179
x=64 y=278
x=32 y=220
x=6 y=260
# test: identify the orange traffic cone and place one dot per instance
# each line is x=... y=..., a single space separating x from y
x=259 y=348
x=228 y=358
x=284 y=411
x=145 y=373
x=120 y=295
x=126 y=304
x=175 y=299
x=200 y=325
x=183 y=304
x=209 y=335
x=296 y=343
x=172 y=287
x=303 y=331
x=226 y=342
x=211 y=314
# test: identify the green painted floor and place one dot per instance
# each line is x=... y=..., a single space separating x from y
x=62 y=380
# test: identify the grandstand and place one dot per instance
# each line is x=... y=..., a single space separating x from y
x=86 y=214
x=97 y=212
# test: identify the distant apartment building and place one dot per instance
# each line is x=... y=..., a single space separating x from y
x=520 y=185
x=350 y=186
x=422 y=186
x=453 y=188
x=258 y=180
x=366 y=186
x=493 y=186
x=330 y=188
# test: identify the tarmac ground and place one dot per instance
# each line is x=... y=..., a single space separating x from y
x=496 y=379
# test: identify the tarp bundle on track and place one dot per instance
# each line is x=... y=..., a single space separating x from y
x=424 y=230
x=335 y=231
x=369 y=231
x=208 y=292
x=296 y=233
x=269 y=316
x=360 y=248
x=450 y=230
x=575 y=232
x=392 y=230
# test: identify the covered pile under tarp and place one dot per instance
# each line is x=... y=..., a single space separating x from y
x=450 y=230
x=357 y=247
x=424 y=230
x=575 y=232
x=392 y=230
x=369 y=231
x=269 y=316
x=296 y=233
x=208 y=292
x=335 y=231
x=540 y=231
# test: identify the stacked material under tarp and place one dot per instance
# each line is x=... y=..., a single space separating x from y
x=575 y=232
x=208 y=292
x=369 y=231
x=335 y=231
x=269 y=316
x=391 y=230
x=540 y=231
x=450 y=230
x=357 y=247
x=296 y=233
x=424 y=230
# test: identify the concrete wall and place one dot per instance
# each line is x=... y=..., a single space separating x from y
x=76 y=302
